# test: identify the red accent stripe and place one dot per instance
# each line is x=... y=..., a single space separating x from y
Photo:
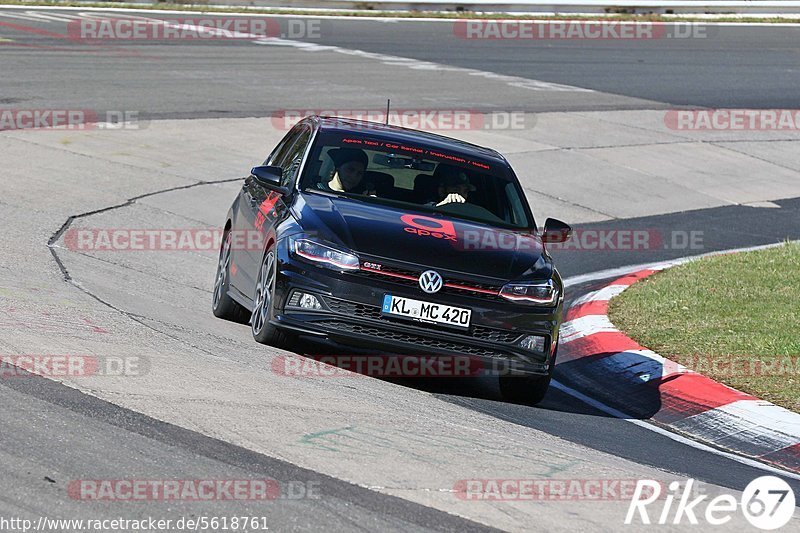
x=391 y=274
x=415 y=278
x=473 y=289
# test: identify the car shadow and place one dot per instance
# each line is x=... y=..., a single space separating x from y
x=625 y=381
x=625 y=391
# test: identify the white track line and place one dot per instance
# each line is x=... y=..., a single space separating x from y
x=414 y=64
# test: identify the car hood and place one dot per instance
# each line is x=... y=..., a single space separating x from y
x=424 y=239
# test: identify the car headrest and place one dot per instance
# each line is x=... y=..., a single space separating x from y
x=380 y=179
x=425 y=187
x=313 y=172
x=424 y=182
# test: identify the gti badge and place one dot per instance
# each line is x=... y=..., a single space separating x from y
x=430 y=281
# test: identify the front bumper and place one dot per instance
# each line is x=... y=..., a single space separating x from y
x=351 y=316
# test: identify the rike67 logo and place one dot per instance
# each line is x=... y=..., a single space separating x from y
x=767 y=503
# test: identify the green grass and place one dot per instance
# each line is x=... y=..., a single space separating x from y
x=202 y=6
x=734 y=318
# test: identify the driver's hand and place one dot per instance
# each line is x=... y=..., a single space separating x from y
x=452 y=197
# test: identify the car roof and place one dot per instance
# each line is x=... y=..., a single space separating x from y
x=399 y=134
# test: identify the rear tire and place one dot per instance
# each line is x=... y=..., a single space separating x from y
x=222 y=304
x=263 y=331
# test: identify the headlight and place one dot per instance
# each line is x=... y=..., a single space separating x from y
x=323 y=255
x=531 y=293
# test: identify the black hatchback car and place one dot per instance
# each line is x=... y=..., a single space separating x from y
x=395 y=240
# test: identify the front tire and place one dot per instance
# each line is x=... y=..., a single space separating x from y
x=526 y=390
x=222 y=305
x=263 y=331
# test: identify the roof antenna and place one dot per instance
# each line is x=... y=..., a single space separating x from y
x=388 y=101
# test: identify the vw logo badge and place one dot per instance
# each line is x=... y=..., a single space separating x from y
x=430 y=281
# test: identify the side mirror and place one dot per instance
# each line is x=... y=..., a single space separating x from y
x=556 y=231
x=269 y=177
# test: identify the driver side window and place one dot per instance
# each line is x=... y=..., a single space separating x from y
x=289 y=153
x=294 y=157
x=279 y=152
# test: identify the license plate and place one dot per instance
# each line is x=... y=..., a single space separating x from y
x=426 y=311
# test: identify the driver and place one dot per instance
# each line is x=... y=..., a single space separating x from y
x=348 y=174
x=454 y=185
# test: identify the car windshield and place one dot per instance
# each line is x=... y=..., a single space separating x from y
x=383 y=171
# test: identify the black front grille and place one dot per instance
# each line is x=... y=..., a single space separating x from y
x=386 y=334
x=353 y=309
x=495 y=335
x=373 y=312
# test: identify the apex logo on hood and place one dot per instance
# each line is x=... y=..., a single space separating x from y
x=423 y=226
x=469 y=239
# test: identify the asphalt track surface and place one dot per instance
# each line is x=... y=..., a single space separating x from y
x=716 y=67
x=52 y=433
x=734 y=67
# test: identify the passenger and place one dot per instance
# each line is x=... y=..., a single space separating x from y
x=454 y=185
x=349 y=166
